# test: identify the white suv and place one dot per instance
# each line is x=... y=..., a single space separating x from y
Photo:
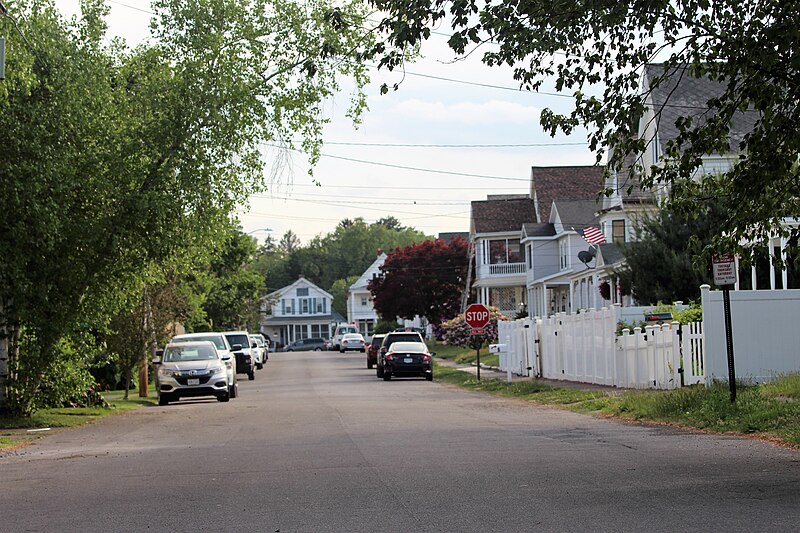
x=224 y=350
x=191 y=369
x=245 y=359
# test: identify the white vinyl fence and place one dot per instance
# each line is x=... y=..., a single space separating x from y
x=585 y=348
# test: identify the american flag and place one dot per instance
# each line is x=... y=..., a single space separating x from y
x=592 y=235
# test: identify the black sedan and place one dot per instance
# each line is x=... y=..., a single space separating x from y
x=407 y=359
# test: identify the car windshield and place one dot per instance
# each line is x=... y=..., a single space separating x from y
x=377 y=340
x=416 y=347
x=403 y=337
x=216 y=339
x=177 y=354
x=257 y=340
x=239 y=339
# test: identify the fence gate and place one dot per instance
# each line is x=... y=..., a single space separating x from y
x=521 y=337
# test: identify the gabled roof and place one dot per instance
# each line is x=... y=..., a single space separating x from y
x=536 y=229
x=575 y=214
x=611 y=254
x=563 y=183
x=503 y=215
x=681 y=95
x=301 y=282
x=449 y=237
x=626 y=186
x=361 y=283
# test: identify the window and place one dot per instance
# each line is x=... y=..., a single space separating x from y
x=302 y=292
x=289 y=306
x=300 y=331
x=618 y=231
x=318 y=305
x=563 y=250
x=503 y=251
x=316 y=330
x=529 y=256
x=363 y=301
x=304 y=306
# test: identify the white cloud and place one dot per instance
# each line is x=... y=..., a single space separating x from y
x=490 y=112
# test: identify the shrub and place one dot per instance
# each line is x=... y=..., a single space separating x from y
x=456 y=332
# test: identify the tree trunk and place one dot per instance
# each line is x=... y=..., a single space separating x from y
x=5 y=354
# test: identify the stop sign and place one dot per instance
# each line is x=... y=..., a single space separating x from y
x=476 y=316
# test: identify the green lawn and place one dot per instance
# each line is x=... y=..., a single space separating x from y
x=15 y=431
x=463 y=356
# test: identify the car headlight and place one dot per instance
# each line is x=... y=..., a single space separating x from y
x=165 y=373
x=217 y=370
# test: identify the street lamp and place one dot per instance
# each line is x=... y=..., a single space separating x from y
x=259 y=229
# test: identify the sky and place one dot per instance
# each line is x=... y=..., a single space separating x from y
x=455 y=131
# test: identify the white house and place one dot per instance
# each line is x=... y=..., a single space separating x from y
x=298 y=311
x=360 y=310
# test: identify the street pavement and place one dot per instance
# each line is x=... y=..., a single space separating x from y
x=316 y=443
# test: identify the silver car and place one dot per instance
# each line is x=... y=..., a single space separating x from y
x=224 y=350
x=191 y=369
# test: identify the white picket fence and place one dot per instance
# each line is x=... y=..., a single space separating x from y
x=585 y=348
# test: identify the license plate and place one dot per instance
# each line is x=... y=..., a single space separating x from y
x=193 y=381
x=408 y=360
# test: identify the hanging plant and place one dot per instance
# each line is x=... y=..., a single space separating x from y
x=605 y=289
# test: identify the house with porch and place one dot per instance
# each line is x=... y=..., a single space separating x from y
x=495 y=231
x=298 y=311
x=360 y=310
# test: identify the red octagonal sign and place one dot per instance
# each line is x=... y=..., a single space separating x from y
x=476 y=316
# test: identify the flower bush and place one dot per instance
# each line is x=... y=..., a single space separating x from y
x=456 y=332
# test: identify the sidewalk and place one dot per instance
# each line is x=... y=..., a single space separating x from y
x=490 y=372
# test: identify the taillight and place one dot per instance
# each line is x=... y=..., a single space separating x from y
x=390 y=356
x=426 y=358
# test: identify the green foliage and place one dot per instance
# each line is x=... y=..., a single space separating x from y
x=693 y=313
x=596 y=51
x=456 y=332
x=385 y=326
x=665 y=263
x=115 y=160
x=339 y=292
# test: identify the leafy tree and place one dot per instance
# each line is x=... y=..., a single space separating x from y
x=391 y=223
x=289 y=243
x=233 y=297
x=339 y=292
x=597 y=51
x=117 y=159
x=425 y=279
x=662 y=264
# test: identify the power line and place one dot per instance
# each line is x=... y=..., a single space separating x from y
x=411 y=145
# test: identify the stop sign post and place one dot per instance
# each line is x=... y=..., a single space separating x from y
x=477 y=316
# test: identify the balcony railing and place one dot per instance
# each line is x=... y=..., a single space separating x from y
x=506 y=269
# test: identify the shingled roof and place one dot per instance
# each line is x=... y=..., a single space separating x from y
x=681 y=95
x=563 y=183
x=495 y=216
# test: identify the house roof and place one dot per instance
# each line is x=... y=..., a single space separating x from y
x=301 y=282
x=536 y=229
x=495 y=216
x=361 y=283
x=449 y=237
x=611 y=253
x=575 y=214
x=626 y=186
x=682 y=95
x=563 y=183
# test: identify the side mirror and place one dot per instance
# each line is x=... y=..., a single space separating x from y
x=433 y=353
x=157 y=360
x=226 y=357
x=254 y=345
x=236 y=347
x=159 y=353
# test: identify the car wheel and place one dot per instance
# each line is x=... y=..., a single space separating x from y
x=259 y=366
x=163 y=399
x=387 y=376
x=317 y=349
x=251 y=375
x=369 y=364
x=233 y=391
x=379 y=371
x=224 y=397
x=429 y=376
x=341 y=351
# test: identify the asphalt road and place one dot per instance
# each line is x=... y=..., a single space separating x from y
x=317 y=443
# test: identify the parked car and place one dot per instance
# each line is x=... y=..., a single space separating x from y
x=372 y=351
x=191 y=369
x=224 y=350
x=260 y=349
x=306 y=345
x=240 y=345
x=341 y=330
x=351 y=342
x=408 y=359
x=391 y=338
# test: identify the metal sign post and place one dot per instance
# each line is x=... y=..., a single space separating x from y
x=725 y=277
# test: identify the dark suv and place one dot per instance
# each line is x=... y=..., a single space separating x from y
x=372 y=351
x=395 y=336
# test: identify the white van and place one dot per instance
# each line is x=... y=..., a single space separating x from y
x=341 y=329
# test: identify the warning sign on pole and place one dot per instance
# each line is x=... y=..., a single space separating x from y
x=724 y=270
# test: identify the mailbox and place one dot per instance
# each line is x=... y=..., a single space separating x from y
x=498 y=348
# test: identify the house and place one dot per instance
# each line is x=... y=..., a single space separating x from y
x=298 y=311
x=360 y=310
x=495 y=231
x=682 y=95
